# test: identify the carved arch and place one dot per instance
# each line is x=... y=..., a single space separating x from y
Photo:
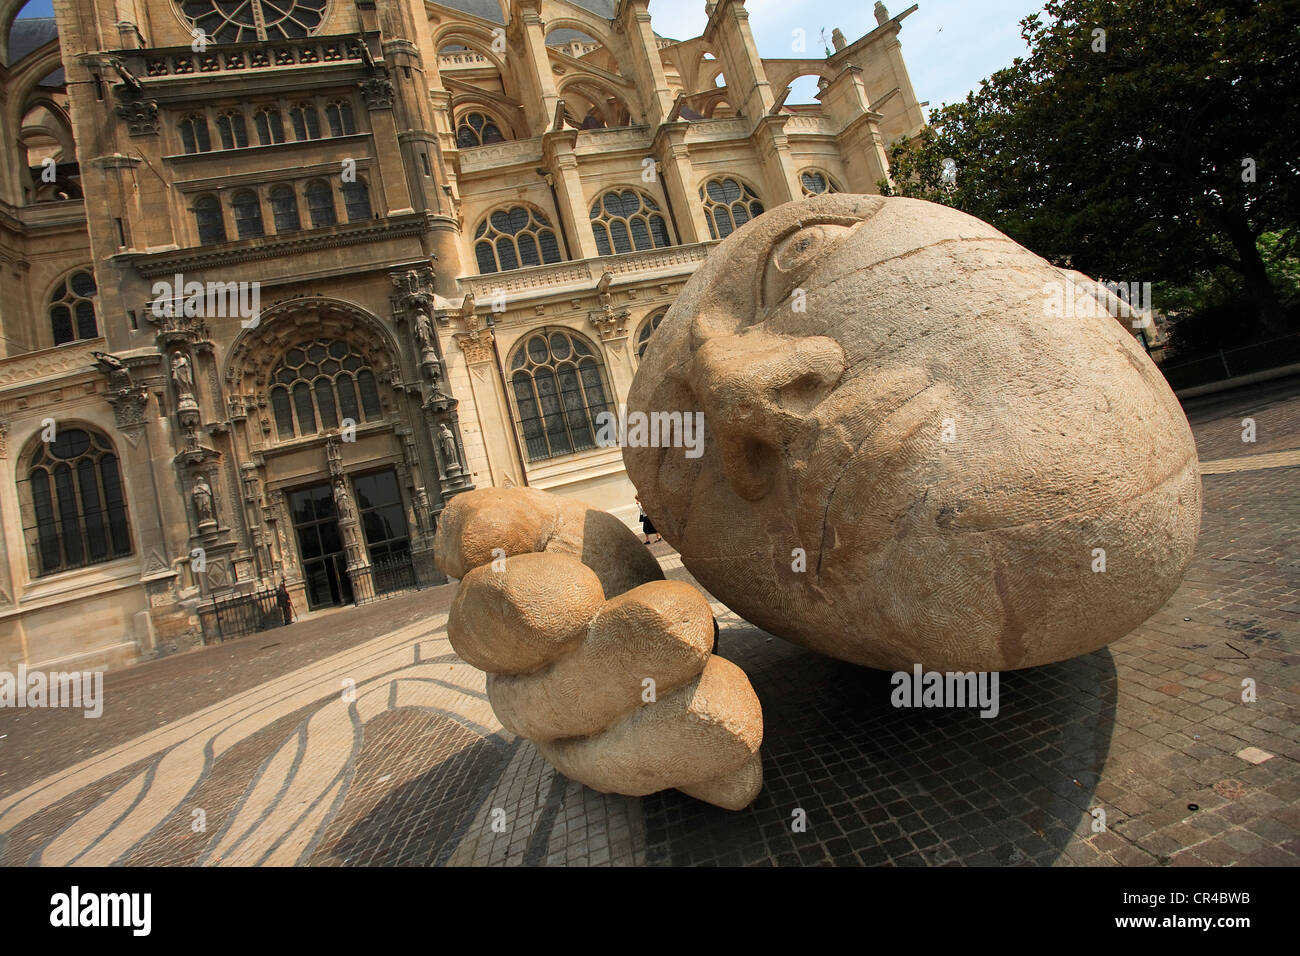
x=618 y=113
x=255 y=351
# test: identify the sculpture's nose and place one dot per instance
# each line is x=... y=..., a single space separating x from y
x=757 y=390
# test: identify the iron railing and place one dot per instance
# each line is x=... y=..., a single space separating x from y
x=235 y=615
x=1229 y=363
x=395 y=574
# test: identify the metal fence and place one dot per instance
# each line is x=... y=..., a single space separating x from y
x=234 y=615
x=1229 y=363
x=391 y=575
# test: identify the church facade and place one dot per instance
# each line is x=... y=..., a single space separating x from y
x=280 y=278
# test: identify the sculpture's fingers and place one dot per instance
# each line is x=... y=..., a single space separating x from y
x=487 y=523
x=524 y=612
x=640 y=646
x=708 y=729
x=606 y=545
x=733 y=790
x=490 y=523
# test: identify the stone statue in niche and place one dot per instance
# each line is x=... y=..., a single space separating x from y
x=201 y=494
x=183 y=376
x=343 y=500
x=447 y=442
x=424 y=331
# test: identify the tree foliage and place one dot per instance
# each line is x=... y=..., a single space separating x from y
x=1159 y=150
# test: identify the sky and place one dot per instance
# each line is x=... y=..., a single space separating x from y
x=948 y=45
x=38 y=8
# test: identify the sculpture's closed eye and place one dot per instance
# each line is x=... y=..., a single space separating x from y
x=793 y=258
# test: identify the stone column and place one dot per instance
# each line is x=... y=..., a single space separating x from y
x=728 y=32
x=8 y=475
x=378 y=93
x=773 y=148
x=558 y=149
x=611 y=324
x=679 y=183
x=648 y=66
x=495 y=419
x=527 y=24
x=862 y=147
x=354 y=544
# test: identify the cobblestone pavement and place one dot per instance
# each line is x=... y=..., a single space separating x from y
x=325 y=744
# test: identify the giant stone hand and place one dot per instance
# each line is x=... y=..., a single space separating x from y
x=591 y=655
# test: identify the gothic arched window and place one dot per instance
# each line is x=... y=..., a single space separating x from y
x=627 y=220
x=339 y=116
x=74 y=509
x=207 y=214
x=320 y=385
x=237 y=21
x=648 y=329
x=815 y=182
x=356 y=200
x=284 y=209
x=269 y=125
x=477 y=129
x=728 y=205
x=72 y=308
x=557 y=382
x=194 y=134
x=320 y=204
x=232 y=130
x=248 y=214
x=510 y=238
x=306 y=121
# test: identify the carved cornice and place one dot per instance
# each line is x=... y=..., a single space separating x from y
x=718 y=129
x=804 y=125
x=24 y=369
x=241 y=58
x=611 y=140
x=549 y=278
x=498 y=155
x=197 y=259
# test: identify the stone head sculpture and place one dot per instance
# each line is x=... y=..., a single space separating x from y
x=906 y=459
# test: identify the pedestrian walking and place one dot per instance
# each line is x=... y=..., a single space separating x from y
x=647 y=526
x=284 y=602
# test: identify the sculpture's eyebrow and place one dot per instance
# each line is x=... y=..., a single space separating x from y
x=797 y=226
